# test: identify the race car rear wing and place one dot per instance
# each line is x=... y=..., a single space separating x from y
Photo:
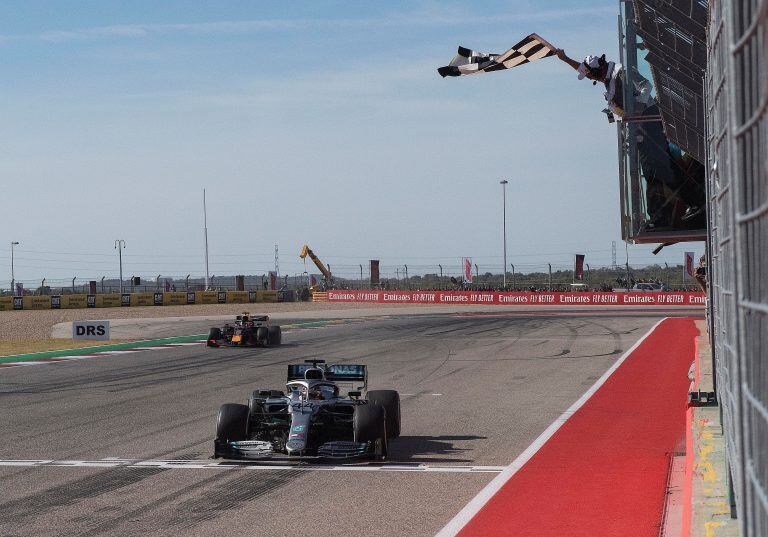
x=352 y=373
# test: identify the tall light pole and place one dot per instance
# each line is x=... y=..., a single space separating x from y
x=13 y=277
x=119 y=245
x=205 y=236
x=504 y=183
x=361 y=275
x=514 y=285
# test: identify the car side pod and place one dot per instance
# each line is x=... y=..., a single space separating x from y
x=212 y=343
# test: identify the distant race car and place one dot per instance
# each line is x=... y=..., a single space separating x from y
x=248 y=331
x=311 y=419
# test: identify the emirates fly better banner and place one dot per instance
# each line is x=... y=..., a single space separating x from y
x=666 y=298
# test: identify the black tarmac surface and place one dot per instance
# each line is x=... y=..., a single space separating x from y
x=476 y=391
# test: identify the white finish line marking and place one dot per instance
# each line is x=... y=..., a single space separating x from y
x=463 y=517
x=112 y=462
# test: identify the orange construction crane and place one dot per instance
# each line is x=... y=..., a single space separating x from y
x=306 y=251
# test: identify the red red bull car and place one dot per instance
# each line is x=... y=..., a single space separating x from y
x=247 y=331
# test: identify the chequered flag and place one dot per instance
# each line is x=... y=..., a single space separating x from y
x=470 y=62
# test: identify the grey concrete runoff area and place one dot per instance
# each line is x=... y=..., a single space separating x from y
x=477 y=390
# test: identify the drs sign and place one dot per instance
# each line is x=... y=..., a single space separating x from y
x=95 y=330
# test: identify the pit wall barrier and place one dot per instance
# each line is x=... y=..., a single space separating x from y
x=117 y=300
x=616 y=298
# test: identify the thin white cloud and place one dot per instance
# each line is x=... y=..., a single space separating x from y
x=433 y=17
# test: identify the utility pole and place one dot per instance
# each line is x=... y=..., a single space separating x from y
x=406 y=277
x=205 y=235
x=613 y=255
x=504 y=183
x=361 y=275
x=549 y=284
x=587 y=273
x=626 y=250
x=119 y=245
x=13 y=277
x=514 y=285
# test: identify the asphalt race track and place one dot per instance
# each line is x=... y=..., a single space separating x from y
x=476 y=391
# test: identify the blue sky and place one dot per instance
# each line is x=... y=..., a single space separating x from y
x=317 y=122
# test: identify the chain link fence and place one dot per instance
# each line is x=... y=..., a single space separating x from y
x=737 y=137
x=411 y=276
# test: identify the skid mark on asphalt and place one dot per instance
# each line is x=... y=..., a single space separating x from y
x=19 y=510
x=111 y=524
x=227 y=496
x=203 y=464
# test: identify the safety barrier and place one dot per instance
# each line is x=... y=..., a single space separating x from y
x=116 y=300
x=524 y=298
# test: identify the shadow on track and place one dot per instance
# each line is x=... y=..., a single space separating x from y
x=429 y=448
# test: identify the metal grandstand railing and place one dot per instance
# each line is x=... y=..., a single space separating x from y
x=737 y=137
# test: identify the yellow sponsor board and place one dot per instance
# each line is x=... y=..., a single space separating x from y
x=6 y=303
x=37 y=302
x=206 y=297
x=74 y=301
x=266 y=296
x=237 y=297
x=174 y=299
x=108 y=301
x=142 y=299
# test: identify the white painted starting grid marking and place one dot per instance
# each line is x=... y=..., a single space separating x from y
x=112 y=462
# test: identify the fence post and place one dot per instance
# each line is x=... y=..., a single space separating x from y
x=549 y=280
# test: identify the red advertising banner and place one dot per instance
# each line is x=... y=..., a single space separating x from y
x=468 y=269
x=578 y=269
x=662 y=298
x=375 y=273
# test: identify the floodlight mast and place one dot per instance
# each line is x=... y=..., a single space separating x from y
x=504 y=183
x=205 y=236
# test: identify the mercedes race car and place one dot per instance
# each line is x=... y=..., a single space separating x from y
x=248 y=331
x=311 y=419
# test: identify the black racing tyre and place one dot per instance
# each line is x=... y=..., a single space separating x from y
x=262 y=335
x=369 y=423
x=274 y=335
x=232 y=422
x=390 y=400
x=215 y=335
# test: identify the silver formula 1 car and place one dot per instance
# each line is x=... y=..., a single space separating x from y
x=311 y=418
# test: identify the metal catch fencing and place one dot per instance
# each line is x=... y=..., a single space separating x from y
x=737 y=181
